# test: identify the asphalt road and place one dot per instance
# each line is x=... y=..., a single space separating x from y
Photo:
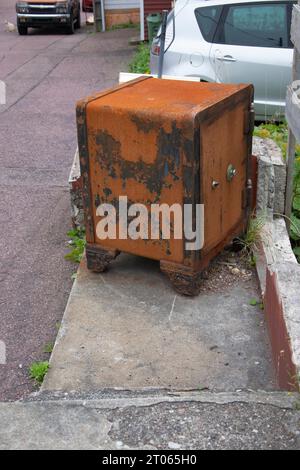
x=45 y=73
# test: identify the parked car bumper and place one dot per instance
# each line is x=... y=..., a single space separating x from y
x=36 y=20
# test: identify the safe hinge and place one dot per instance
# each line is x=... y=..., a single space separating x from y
x=249 y=122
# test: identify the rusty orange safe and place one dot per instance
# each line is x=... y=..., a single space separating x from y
x=157 y=143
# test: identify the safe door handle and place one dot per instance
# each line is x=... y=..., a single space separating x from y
x=226 y=58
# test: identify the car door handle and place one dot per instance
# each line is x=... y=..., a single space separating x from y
x=226 y=58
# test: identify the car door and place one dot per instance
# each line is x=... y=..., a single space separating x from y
x=252 y=45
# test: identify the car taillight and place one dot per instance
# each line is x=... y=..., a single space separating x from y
x=155 y=49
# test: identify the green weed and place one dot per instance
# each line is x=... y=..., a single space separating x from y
x=77 y=243
x=48 y=348
x=141 y=60
x=38 y=370
x=250 y=240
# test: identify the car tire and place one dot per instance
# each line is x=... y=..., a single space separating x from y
x=22 y=30
x=78 y=20
x=71 y=25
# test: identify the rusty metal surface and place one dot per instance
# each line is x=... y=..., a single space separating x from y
x=160 y=141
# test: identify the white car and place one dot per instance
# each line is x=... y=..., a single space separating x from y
x=239 y=41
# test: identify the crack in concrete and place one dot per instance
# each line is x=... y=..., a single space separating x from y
x=172 y=308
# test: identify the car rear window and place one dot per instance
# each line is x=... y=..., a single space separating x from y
x=208 y=18
x=258 y=25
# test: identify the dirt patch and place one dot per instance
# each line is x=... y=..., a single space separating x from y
x=227 y=270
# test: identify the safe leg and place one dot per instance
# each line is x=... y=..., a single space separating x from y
x=184 y=280
x=99 y=258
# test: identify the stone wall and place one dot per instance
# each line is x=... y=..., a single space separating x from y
x=277 y=267
x=271 y=181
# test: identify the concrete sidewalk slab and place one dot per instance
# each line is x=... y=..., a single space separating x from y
x=127 y=328
x=150 y=421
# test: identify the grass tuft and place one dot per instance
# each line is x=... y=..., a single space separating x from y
x=38 y=370
x=48 y=348
x=77 y=242
x=141 y=60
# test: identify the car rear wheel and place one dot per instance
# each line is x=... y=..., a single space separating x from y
x=71 y=25
x=22 y=30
